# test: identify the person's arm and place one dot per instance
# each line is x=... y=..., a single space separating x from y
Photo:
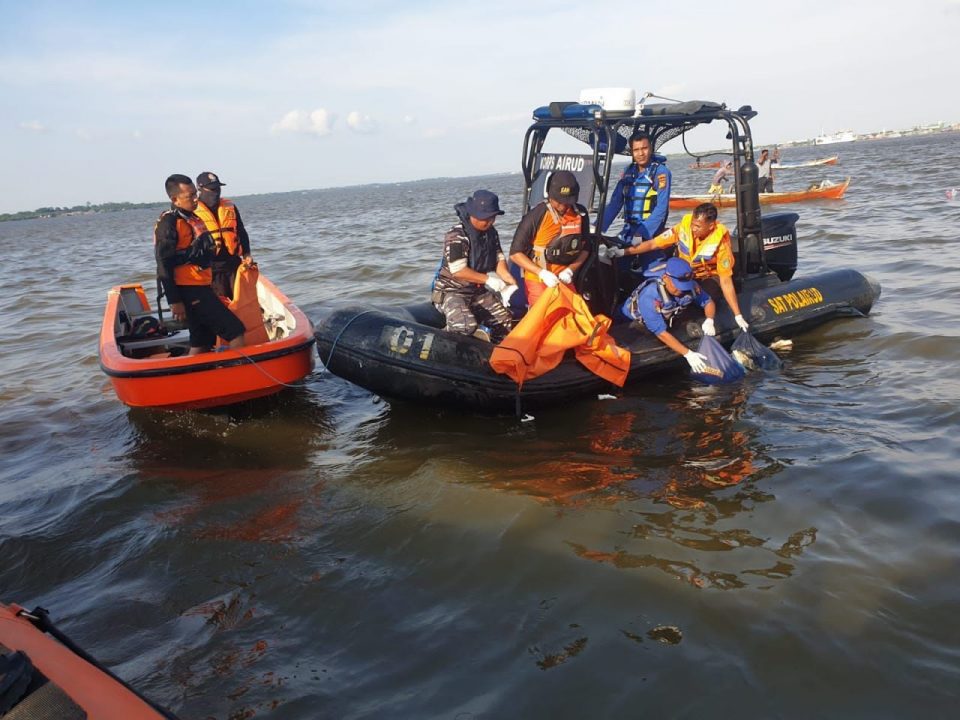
x=662 y=181
x=165 y=250
x=503 y=272
x=242 y=237
x=614 y=206
x=456 y=251
x=671 y=342
x=522 y=243
x=664 y=240
x=730 y=293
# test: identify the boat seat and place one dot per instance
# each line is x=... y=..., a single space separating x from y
x=130 y=344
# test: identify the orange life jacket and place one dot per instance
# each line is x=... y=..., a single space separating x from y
x=702 y=255
x=189 y=227
x=551 y=227
x=246 y=306
x=223 y=227
x=557 y=321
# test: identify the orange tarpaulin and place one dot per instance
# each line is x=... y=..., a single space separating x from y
x=557 y=321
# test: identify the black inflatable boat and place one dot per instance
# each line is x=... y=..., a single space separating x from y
x=404 y=353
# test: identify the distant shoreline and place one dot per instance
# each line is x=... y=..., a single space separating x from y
x=86 y=209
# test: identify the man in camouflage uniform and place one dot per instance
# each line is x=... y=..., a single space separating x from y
x=473 y=284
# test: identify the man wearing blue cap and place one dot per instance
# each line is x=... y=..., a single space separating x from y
x=658 y=301
x=473 y=284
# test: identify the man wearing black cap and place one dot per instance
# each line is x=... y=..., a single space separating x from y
x=229 y=236
x=183 y=250
x=473 y=283
x=550 y=241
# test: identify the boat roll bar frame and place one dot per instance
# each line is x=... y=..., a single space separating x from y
x=607 y=134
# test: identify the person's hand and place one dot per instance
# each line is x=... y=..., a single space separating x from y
x=505 y=294
x=708 y=327
x=565 y=276
x=548 y=278
x=248 y=261
x=178 y=311
x=615 y=252
x=698 y=362
x=744 y=325
x=494 y=283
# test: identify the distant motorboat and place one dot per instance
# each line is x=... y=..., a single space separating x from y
x=832 y=160
x=837 y=137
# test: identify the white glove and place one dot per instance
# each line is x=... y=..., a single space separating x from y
x=548 y=278
x=494 y=283
x=744 y=325
x=698 y=362
x=565 y=276
x=615 y=252
x=506 y=293
x=708 y=328
x=603 y=252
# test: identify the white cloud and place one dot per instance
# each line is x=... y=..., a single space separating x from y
x=319 y=123
x=409 y=120
x=83 y=134
x=136 y=135
x=359 y=123
x=34 y=126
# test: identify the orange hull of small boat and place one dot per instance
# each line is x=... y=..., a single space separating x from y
x=209 y=379
x=101 y=696
x=833 y=192
x=705 y=166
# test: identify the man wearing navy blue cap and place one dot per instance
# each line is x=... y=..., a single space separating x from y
x=658 y=301
x=473 y=284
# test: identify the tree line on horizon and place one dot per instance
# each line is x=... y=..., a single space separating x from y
x=76 y=209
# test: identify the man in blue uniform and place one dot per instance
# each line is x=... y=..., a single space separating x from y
x=643 y=193
x=658 y=301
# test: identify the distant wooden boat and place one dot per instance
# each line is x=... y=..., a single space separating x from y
x=706 y=165
x=153 y=370
x=832 y=160
x=824 y=191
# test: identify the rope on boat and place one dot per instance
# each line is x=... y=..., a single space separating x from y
x=257 y=366
x=339 y=334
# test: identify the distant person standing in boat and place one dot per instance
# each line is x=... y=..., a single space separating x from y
x=184 y=250
x=658 y=301
x=705 y=244
x=473 y=283
x=643 y=193
x=720 y=177
x=230 y=238
x=765 y=172
x=549 y=243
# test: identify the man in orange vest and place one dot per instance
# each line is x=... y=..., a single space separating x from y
x=705 y=244
x=550 y=243
x=230 y=238
x=184 y=250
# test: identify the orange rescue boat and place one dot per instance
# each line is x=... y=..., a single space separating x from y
x=149 y=366
x=823 y=191
x=45 y=676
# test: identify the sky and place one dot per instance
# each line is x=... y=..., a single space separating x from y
x=101 y=101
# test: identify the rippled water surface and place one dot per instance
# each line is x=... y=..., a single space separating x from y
x=785 y=547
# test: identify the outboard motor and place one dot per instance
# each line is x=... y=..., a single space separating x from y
x=779 y=232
